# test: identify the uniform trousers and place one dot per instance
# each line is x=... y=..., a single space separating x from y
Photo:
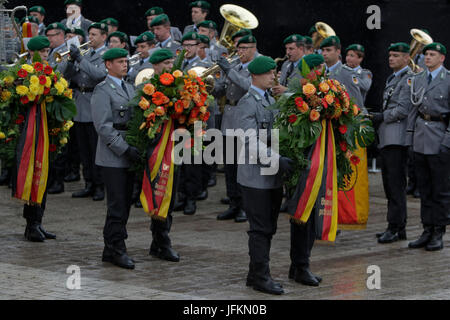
x=302 y=241
x=87 y=139
x=433 y=178
x=234 y=190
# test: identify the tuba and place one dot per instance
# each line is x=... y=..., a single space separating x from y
x=9 y=32
x=143 y=76
x=419 y=41
x=323 y=31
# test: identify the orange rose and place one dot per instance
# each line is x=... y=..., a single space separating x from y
x=192 y=74
x=151 y=117
x=149 y=89
x=160 y=111
x=329 y=99
x=144 y=104
x=166 y=79
x=324 y=87
x=309 y=89
x=177 y=74
x=303 y=107
x=314 y=115
x=355 y=110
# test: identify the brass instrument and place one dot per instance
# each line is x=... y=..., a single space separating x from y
x=323 y=31
x=419 y=41
x=277 y=61
x=59 y=57
x=134 y=59
x=9 y=30
x=17 y=59
x=144 y=75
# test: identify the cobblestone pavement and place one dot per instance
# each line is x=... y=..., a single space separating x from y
x=214 y=256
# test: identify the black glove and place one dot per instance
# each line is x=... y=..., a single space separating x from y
x=75 y=54
x=132 y=154
x=377 y=117
x=286 y=165
x=444 y=149
x=224 y=64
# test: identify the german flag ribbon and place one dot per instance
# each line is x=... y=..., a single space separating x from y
x=158 y=179
x=32 y=157
x=316 y=194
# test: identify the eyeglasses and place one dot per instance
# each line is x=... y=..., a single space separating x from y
x=189 y=45
x=244 y=48
x=53 y=35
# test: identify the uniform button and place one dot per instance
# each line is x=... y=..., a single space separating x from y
x=426 y=123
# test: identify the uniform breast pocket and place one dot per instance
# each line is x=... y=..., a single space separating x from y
x=121 y=114
x=264 y=119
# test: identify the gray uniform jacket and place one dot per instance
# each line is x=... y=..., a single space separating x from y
x=134 y=71
x=365 y=81
x=427 y=136
x=172 y=45
x=61 y=67
x=176 y=34
x=347 y=76
x=85 y=24
x=287 y=76
x=111 y=114
x=190 y=28
x=84 y=76
x=396 y=107
x=255 y=116
x=216 y=50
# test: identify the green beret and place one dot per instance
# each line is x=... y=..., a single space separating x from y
x=200 y=4
x=312 y=60
x=55 y=26
x=160 y=20
x=155 y=11
x=118 y=34
x=144 y=37
x=308 y=40
x=38 y=9
x=77 y=31
x=312 y=30
x=330 y=41
x=399 y=47
x=293 y=38
x=209 y=24
x=160 y=55
x=32 y=19
x=190 y=36
x=241 y=33
x=115 y=53
x=204 y=39
x=38 y=43
x=247 y=39
x=436 y=46
x=110 y=22
x=261 y=64
x=99 y=25
x=77 y=2
x=355 y=47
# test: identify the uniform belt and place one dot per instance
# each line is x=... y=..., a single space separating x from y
x=83 y=89
x=428 y=117
x=231 y=103
x=120 y=126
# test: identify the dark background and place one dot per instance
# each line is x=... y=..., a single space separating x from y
x=280 y=18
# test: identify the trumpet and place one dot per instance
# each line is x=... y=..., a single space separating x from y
x=134 y=59
x=59 y=57
x=17 y=59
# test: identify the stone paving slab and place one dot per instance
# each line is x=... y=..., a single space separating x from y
x=214 y=256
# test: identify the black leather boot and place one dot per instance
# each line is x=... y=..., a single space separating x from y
x=72 y=177
x=33 y=233
x=436 y=243
x=203 y=195
x=231 y=213
x=180 y=202
x=47 y=235
x=305 y=276
x=99 y=193
x=190 y=207
x=117 y=255
x=88 y=191
x=424 y=238
x=262 y=281
x=225 y=200
x=57 y=187
x=241 y=216
x=164 y=253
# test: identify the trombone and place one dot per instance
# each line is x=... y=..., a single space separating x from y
x=59 y=57
x=323 y=31
x=419 y=41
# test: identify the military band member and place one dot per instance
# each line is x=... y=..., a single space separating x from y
x=261 y=194
x=429 y=134
x=354 y=55
x=392 y=141
x=55 y=32
x=209 y=29
x=113 y=25
x=114 y=155
x=309 y=49
x=203 y=49
x=41 y=45
x=331 y=51
x=161 y=28
x=199 y=12
x=85 y=72
x=76 y=32
x=234 y=85
x=118 y=39
x=74 y=17
x=152 y=13
x=239 y=35
x=161 y=247
x=295 y=50
x=39 y=13
x=145 y=44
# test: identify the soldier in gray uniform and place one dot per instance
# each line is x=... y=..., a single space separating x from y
x=84 y=73
x=74 y=17
x=152 y=13
x=429 y=134
x=295 y=50
x=144 y=43
x=199 y=12
x=161 y=28
x=331 y=51
x=234 y=84
x=114 y=155
x=261 y=193
x=392 y=141
x=354 y=55
x=216 y=50
x=55 y=32
x=39 y=13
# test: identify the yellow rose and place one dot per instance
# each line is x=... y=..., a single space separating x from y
x=34 y=89
x=329 y=99
x=48 y=82
x=22 y=90
x=59 y=87
x=31 y=96
x=49 y=99
x=6 y=95
x=63 y=141
x=309 y=89
x=34 y=80
x=28 y=68
x=177 y=74
x=8 y=80
x=2 y=135
x=64 y=82
x=324 y=87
